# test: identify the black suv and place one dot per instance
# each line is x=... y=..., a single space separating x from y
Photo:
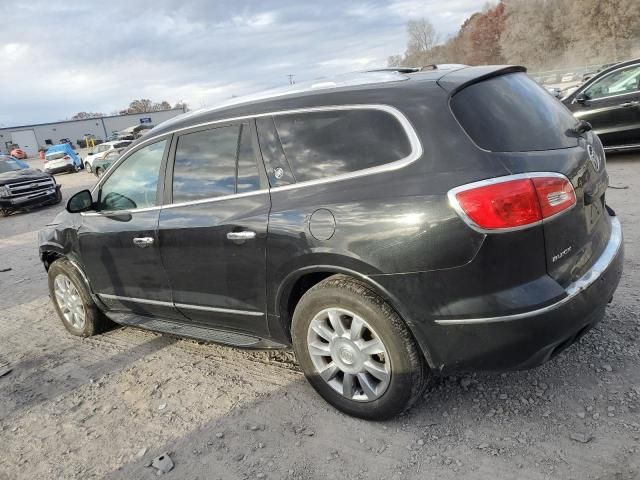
x=390 y=226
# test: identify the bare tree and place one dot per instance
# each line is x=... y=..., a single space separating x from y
x=83 y=115
x=183 y=105
x=422 y=35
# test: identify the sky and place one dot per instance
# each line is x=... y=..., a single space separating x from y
x=60 y=57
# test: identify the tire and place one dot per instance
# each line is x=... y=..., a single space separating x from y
x=94 y=320
x=58 y=198
x=4 y=212
x=87 y=167
x=401 y=373
x=99 y=172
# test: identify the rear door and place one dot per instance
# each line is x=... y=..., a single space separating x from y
x=612 y=105
x=213 y=228
x=529 y=131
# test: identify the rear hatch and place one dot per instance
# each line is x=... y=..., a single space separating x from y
x=506 y=113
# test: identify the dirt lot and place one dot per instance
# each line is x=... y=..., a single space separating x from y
x=106 y=406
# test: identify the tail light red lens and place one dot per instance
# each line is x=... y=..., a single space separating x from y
x=513 y=202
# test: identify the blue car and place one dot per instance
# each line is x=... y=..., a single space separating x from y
x=62 y=158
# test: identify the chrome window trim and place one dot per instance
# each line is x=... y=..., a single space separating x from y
x=414 y=141
x=584 y=282
x=453 y=201
x=179 y=305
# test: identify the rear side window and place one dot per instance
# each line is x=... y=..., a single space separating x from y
x=512 y=113
x=324 y=144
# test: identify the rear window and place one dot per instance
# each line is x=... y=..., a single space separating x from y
x=55 y=156
x=512 y=113
x=328 y=143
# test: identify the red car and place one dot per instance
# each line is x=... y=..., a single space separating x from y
x=19 y=154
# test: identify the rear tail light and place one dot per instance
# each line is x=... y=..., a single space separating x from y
x=513 y=202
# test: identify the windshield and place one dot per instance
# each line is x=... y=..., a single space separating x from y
x=11 y=165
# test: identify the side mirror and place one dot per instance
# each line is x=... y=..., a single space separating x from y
x=582 y=98
x=80 y=202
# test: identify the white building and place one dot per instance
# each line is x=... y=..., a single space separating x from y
x=32 y=137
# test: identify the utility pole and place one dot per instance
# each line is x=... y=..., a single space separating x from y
x=291 y=82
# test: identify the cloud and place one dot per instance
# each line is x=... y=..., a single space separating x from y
x=58 y=57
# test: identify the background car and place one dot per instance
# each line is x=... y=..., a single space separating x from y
x=99 y=152
x=101 y=166
x=23 y=187
x=19 y=154
x=61 y=158
x=610 y=102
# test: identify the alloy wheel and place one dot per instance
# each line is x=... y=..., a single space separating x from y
x=69 y=301
x=349 y=355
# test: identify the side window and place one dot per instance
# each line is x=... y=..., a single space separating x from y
x=205 y=164
x=134 y=184
x=248 y=176
x=325 y=144
x=278 y=169
x=623 y=81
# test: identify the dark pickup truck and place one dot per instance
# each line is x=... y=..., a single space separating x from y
x=23 y=187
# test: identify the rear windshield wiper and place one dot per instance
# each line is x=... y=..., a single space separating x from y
x=580 y=129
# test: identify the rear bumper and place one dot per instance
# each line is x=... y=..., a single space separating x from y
x=69 y=167
x=30 y=201
x=528 y=339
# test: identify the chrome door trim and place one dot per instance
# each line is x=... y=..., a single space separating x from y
x=135 y=300
x=219 y=310
x=179 y=305
x=584 y=282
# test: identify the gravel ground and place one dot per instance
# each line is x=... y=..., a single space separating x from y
x=107 y=406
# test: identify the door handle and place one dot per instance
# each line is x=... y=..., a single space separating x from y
x=244 y=235
x=143 y=242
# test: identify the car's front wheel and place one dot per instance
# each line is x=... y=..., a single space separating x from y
x=356 y=351
x=73 y=302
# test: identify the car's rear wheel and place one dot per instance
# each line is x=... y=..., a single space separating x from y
x=87 y=167
x=73 y=302
x=4 y=212
x=356 y=351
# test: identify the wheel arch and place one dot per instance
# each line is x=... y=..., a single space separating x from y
x=298 y=282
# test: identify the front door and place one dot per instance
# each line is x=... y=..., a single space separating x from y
x=119 y=241
x=213 y=228
x=612 y=105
